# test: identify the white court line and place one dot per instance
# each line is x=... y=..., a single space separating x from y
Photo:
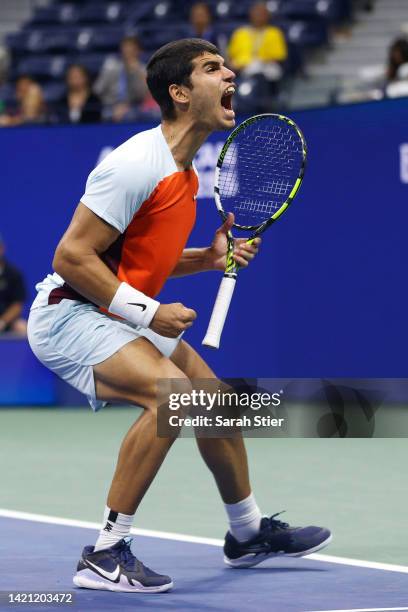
x=361 y=610
x=56 y=520
x=181 y=537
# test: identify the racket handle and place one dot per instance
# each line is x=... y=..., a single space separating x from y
x=219 y=313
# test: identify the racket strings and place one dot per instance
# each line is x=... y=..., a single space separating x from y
x=259 y=170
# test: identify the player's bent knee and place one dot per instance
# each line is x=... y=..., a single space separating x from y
x=168 y=380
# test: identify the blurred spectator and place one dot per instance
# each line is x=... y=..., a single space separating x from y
x=79 y=104
x=12 y=296
x=200 y=23
x=4 y=64
x=397 y=57
x=4 y=67
x=258 y=48
x=377 y=81
x=30 y=105
x=121 y=84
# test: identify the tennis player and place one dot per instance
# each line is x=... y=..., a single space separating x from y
x=96 y=321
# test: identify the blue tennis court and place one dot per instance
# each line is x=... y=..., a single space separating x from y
x=40 y=556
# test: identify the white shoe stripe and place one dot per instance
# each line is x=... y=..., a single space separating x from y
x=113 y=576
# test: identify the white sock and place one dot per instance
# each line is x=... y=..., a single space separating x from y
x=115 y=527
x=244 y=518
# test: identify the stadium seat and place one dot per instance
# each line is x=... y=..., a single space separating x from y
x=227 y=10
x=16 y=43
x=102 y=12
x=46 y=67
x=305 y=33
x=66 y=13
x=57 y=40
x=161 y=12
x=97 y=39
x=39 y=41
x=92 y=61
x=152 y=37
x=141 y=11
x=36 y=40
x=330 y=10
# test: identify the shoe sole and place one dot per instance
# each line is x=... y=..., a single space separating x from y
x=254 y=559
x=86 y=579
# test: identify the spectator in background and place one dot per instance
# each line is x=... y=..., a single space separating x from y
x=79 y=104
x=4 y=64
x=200 y=23
x=121 y=83
x=397 y=57
x=12 y=296
x=4 y=68
x=30 y=105
x=258 y=48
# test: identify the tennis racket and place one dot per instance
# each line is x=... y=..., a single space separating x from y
x=259 y=172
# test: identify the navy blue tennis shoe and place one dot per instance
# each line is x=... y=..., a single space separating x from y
x=117 y=569
x=275 y=538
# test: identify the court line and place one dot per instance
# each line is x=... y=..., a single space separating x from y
x=361 y=610
x=56 y=520
x=180 y=537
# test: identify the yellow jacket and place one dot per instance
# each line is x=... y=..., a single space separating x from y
x=248 y=44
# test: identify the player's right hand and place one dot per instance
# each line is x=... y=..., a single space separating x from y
x=172 y=319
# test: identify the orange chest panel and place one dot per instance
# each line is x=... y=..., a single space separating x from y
x=158 y=233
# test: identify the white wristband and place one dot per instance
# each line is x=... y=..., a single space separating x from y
x=133 y=305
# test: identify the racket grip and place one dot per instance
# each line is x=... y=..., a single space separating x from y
x=219 y=313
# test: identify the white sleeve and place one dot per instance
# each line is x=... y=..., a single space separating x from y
x=115 y=192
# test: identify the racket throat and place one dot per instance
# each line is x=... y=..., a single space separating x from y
x=231 y=266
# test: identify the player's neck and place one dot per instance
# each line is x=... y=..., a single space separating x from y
x=184 y=139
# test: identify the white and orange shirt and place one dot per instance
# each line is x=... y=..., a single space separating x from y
x=138 y=190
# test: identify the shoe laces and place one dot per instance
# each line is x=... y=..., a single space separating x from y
x=275 y=525
x=125 y=555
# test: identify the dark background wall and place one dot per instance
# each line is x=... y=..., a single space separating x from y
x=327 y=296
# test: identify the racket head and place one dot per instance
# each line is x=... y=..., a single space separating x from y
x=259 y=170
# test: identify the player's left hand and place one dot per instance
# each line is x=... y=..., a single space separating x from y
x=243 y=252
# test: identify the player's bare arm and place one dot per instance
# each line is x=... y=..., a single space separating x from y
x=77 y=259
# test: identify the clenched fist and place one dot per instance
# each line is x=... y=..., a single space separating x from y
x=172 y=319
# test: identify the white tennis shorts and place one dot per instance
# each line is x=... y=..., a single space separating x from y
x=71 y=337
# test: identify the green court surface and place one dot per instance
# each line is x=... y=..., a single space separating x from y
x=60 y=461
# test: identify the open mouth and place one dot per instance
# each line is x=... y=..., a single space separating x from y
x=226 y=100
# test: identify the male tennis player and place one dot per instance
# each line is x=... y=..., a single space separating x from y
x=126 y=238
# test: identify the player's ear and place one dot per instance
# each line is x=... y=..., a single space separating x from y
x=179 y=94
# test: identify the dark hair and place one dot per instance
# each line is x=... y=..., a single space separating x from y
x=26 y=76
x=399 y=46
x=83 y=69
x=131 y=38
x=173 y=64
